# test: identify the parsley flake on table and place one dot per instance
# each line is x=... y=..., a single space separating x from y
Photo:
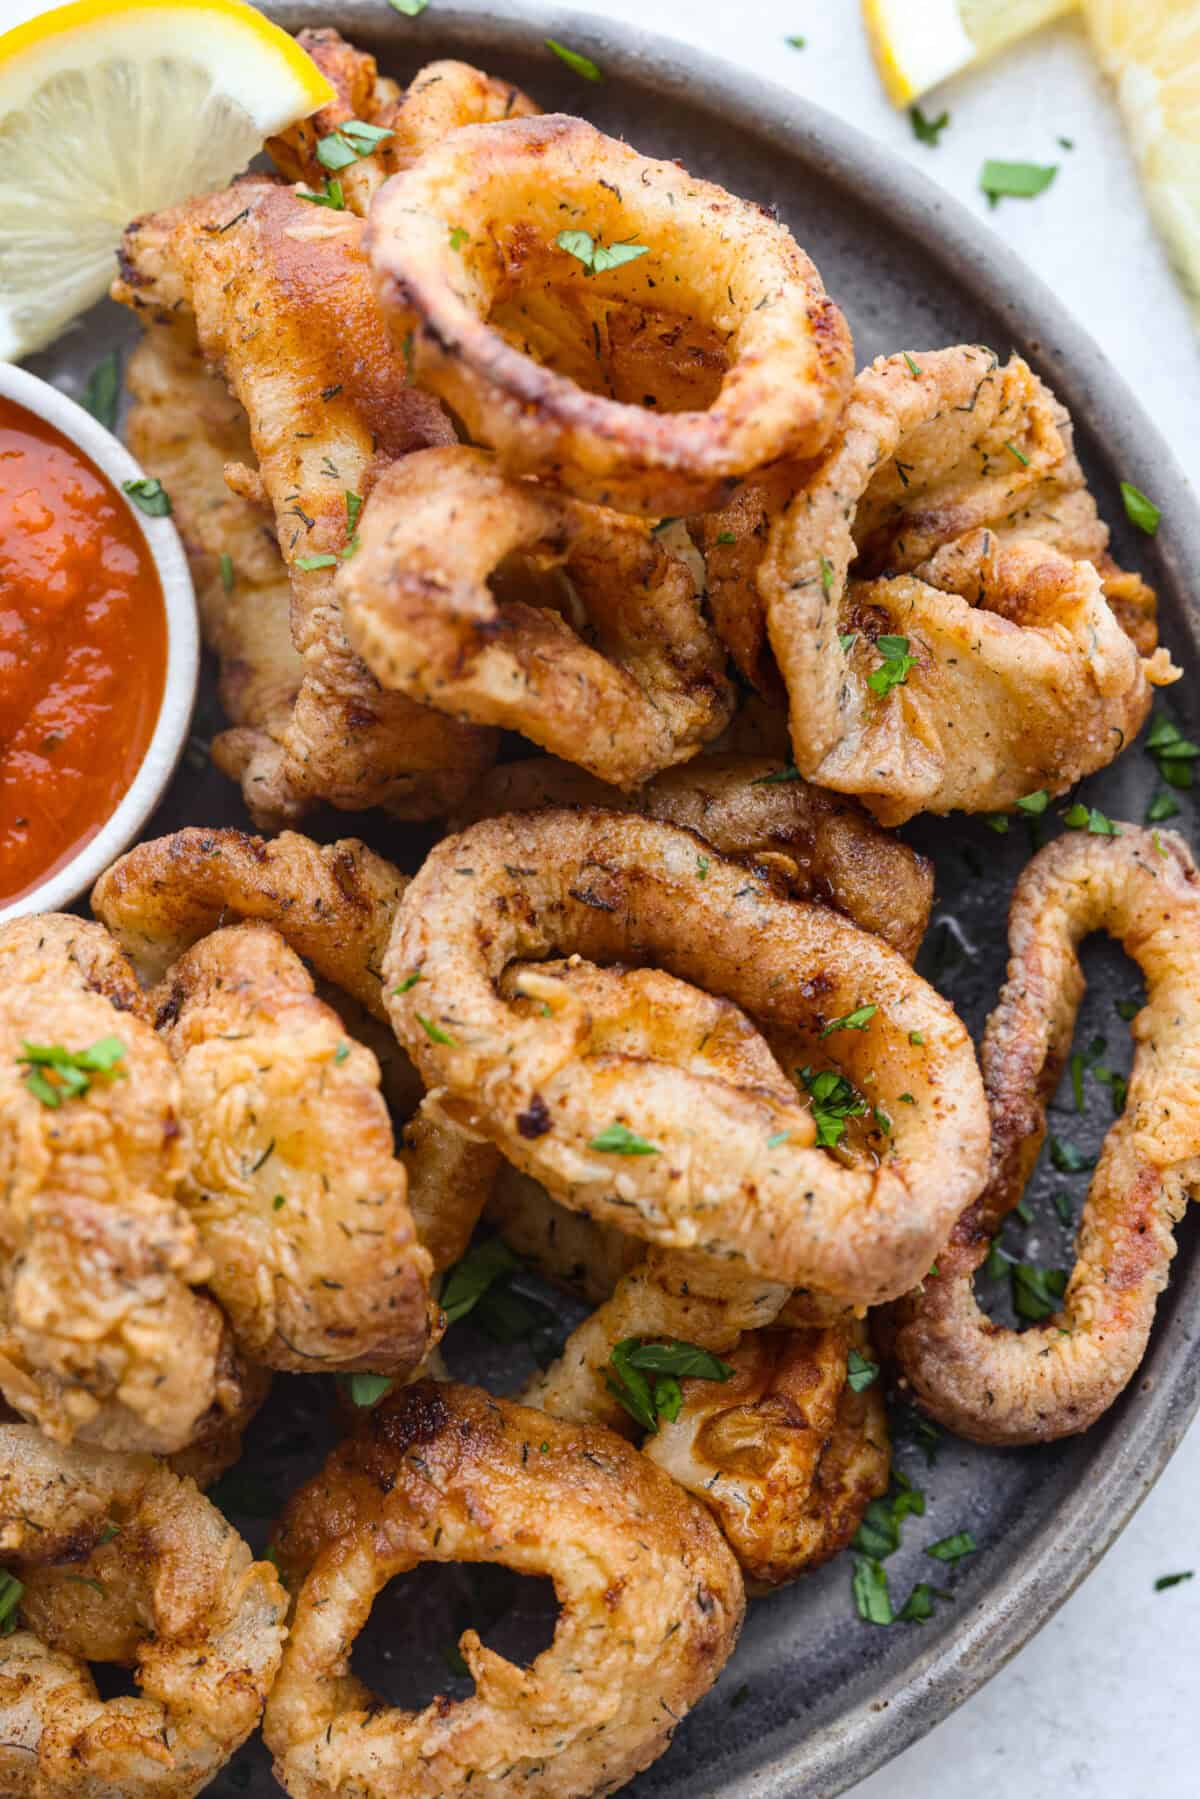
x=367 y=1389
x=1090 y=818
x=1139 y=510
x=1015 y=180
x=1173 y=753
x=103 y=388
x=1173 y=1580
x=925 y=129
x=1067 y=1159
x=869 y=1585
x=1036 y=1291
x=953 y=1549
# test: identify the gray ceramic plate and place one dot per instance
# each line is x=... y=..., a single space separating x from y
x=815 y=1699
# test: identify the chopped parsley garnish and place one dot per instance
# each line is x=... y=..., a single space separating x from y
x=409 y=982
x=1162 y=807
x=852 y=1021
x=1128 y=1009
x=433 y=1031
x=618 y=1140
x=878 y=1536
x=367 y=1389
x=702 y=866
x=1067 y=1159
x=1015 y=180
x=574 y=59
x=1036 y=1291
x=953 y=1549
x=99 y=397
x=308 y=563
x=410 y=8
x=1090 y=818
x=278 y=1203
x=796 y=42
x=1173 y=1580
x=996 y=821
x=894 y=669
x=354 y=505
x=459 y=236
x=341 y=1052
x=1079 y=1062
x=353 y=139
x=1118 y=1087
x=11 y=1592
x=847 y=639
x=597 y=258
x=1174 y=753
x=833 y=1101
x=870 y=1588
x=1139 y=510
x=776 y=1138
x=1034 y=803
x=149 y=496
x=726 y=536
x=926 y=130
x=916 y=1039
x=827 y=576
x=1020 y=455
x=469 y=1279
x=226 y=567
x=790 y=773
x=644 y=1376
x=333 y=197
x=918 y=1607
x=55 y=1073
x=860 y=1373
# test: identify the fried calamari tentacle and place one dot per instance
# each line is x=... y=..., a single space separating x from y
x=124 y=1562
x=633 y=686
x=934 y=659
x=185 y=427
x=766 y=375
x=1054 y=1379
x=651 y=1603
x=104 y=1336
x=315 y=1259
x=284 y=309
x=821 y=846
x=333 y=903
x=441 y=97
x=670 y=1151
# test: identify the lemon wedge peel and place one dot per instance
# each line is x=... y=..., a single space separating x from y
x=919 y=43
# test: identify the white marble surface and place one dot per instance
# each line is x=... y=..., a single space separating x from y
x=1102 y=1703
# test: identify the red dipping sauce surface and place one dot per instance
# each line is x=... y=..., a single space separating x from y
x=83 y=649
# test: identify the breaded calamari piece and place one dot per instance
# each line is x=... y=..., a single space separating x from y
x=104 y=1334
x=283 y=307
x=650 y=1598
x=124 y=1562
x=293 y=1181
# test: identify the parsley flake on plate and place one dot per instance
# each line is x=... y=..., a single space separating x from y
x=1015 y=180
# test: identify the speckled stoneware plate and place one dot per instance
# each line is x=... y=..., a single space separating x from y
x=814 y=1699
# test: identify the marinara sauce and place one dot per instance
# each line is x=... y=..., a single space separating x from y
x=83 y=649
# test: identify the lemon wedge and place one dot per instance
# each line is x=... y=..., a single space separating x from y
x=1152 y=52
x=111 y=108
x=918 y=43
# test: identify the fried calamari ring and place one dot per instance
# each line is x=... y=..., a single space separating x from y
x=822 y=846
x=124 y=1562
x=769 y=382
x=651 y=1603
x=283 y=308
x=441 y=97
x=1054 y=1379
x=334 y=904
x=315 y=1259
x=581 y=1254
x=673 y=1154
x=638 y=686
x=104 y=1335
x=1021 y=676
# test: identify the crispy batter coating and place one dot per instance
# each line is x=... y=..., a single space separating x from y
x=283 y=307
x=911 y=527
x=572 y=1109
x=104 y=1334
x=764 y=355
x=651 y=1604
x=441 y=97
x=785 y=1454
x=124 y=1562
x=315 y=1259
x=186 y=427
x=820 y=845
x=334 y=905
x=632 y=683
x=581 y=1254
x=1054 y=1379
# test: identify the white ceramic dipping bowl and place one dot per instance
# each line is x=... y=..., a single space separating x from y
x=183 y=649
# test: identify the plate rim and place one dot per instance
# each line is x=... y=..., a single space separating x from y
x=1067 y=1547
